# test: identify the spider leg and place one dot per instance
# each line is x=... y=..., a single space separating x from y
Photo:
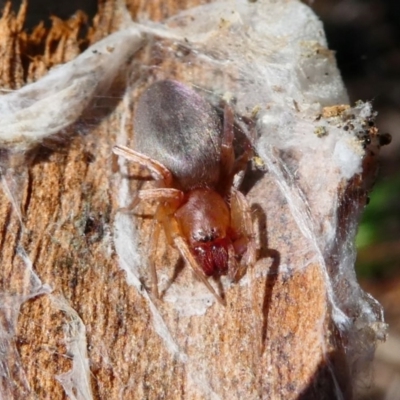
x=154 y=237
x=229 y=166
x=248 y=127
x=158 y=171
x=242 y=223
x=233 y=266
x=241 y=162
x=171 y=197
x=169 y=201
x=227 y=152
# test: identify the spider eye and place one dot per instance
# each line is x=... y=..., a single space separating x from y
x=198 y=235
x=205 y=236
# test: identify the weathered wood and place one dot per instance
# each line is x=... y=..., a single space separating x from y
x=275 y=338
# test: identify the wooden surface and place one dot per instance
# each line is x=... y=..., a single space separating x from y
x=282 y=346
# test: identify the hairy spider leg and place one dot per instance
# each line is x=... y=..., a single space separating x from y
x=228 y=164
x=154 y=237
x=169 y=200
x=241 y=162
x=242 y=223
x=227 y=155
x=248 y=151
x=157 y=170
x=167 y=195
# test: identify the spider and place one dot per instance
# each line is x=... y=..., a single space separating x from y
x=180 y=139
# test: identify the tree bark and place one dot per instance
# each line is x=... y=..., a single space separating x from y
x=275 y=339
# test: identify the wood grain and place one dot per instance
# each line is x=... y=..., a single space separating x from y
x=274 y=340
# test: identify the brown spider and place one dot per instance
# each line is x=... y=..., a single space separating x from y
x=179 y=138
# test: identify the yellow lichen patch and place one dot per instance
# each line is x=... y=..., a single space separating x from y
x=320 y=131
x=334 y=111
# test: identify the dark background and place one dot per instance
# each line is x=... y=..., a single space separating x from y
x=366 y=37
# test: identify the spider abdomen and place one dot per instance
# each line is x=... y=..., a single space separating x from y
x=180 y=129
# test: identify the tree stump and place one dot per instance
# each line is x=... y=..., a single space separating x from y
x=78 y=320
